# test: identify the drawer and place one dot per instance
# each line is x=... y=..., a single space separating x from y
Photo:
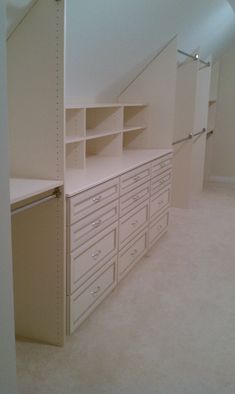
x=160 y=181
x=160 y=165
x=159 y=202
x=134 y=198
x=133 y=222
x=132 y=253
x=91 y=225
x=158 y=227
x=134 y=178
x=89 y=201
x=87 y=259
x=90 y=295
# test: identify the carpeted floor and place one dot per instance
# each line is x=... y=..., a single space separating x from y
x=169 y=328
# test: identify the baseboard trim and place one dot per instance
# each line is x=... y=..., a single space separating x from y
x=221 y=179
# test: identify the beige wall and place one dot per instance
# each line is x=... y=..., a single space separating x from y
x=223 y=157
x=7 y=341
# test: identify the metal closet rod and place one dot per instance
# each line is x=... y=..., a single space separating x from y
x=40 y=201
x=194 y=57
x=189 y=137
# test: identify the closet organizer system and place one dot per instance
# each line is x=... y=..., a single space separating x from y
x=116 y=162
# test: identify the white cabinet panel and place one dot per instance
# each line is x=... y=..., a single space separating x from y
x=131 y=254
x=160 y=165
x=159 y=202
x=89 y=258
x=158 y=227
x=88 y=296
x=132 y=199
x=87 y=202
x=133 y=222
x=86 y=228
x=161 y=181
x=134 y=178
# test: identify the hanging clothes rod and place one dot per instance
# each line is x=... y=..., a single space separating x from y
x=194 y=57
x=209 y=133
x=33 y=204
x=199 y=132
x=189 y=137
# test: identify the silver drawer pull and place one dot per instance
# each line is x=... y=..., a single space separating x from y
x=134 y=252
x=136 y=178
x=135 y=223
x=96 y=199
x=94 y=292
x=96 y=254
x=136 y=198
x=97 y=223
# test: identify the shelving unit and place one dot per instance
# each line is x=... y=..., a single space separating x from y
x=102 y=130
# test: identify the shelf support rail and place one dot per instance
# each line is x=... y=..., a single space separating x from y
x=56 y=194
x=189 y=136
x=194 y=57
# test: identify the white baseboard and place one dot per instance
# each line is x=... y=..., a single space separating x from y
x=222 y=179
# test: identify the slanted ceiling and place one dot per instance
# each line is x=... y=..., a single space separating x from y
x=108 y=41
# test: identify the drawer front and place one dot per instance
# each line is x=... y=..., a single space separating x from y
x=160 y=165
x=160 y=181
x=86 y=299
x=91 y=225
x=132 y=223
x=134 y=178
x=132 y=199
x=89 y=201
x=90 y=257
x=159 y=202
x=132 y=253
x=158 y=227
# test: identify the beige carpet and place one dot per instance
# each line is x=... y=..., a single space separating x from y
x=169 y=328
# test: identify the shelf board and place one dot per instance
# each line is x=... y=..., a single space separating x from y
x=103 y=105
x=102 y=169
x=23 y=188
x=92 y=134
x=130 y=129
x=72 y=140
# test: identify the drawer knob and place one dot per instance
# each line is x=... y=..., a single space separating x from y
x=135 y=223
x=97 y=223
x=136 y=198
x=94 y=292
x=96 y=199
x=136 y=178
x=95 y=254
x=134 y=252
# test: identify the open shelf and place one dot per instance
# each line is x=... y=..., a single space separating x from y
x=75 y=155
x=134 y=116
x=110 y=145
x=75 y=123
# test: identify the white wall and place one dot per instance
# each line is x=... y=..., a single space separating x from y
x=7 y=342
x=223 y=160
x=108 y=41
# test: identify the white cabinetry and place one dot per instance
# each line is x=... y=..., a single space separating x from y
x=117 y=202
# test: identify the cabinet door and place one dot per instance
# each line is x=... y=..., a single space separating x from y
x=158 y=227
x=132 y=253
x=87 y=259
x=134 y=178
x=160 y=165
x=85 y=203
x=90 y=295
x=135 y=197
x=133 y=223
x=88 y=227
x=159 y=202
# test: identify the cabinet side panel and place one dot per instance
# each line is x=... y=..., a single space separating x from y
x=156 y=86
x=35 y=89
x=38 y=273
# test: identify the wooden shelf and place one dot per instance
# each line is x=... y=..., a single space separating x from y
x=73 y=139
x=130 y=129
x=91 y=134
x=23 y=188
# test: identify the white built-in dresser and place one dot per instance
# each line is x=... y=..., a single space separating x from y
x=117 y=200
